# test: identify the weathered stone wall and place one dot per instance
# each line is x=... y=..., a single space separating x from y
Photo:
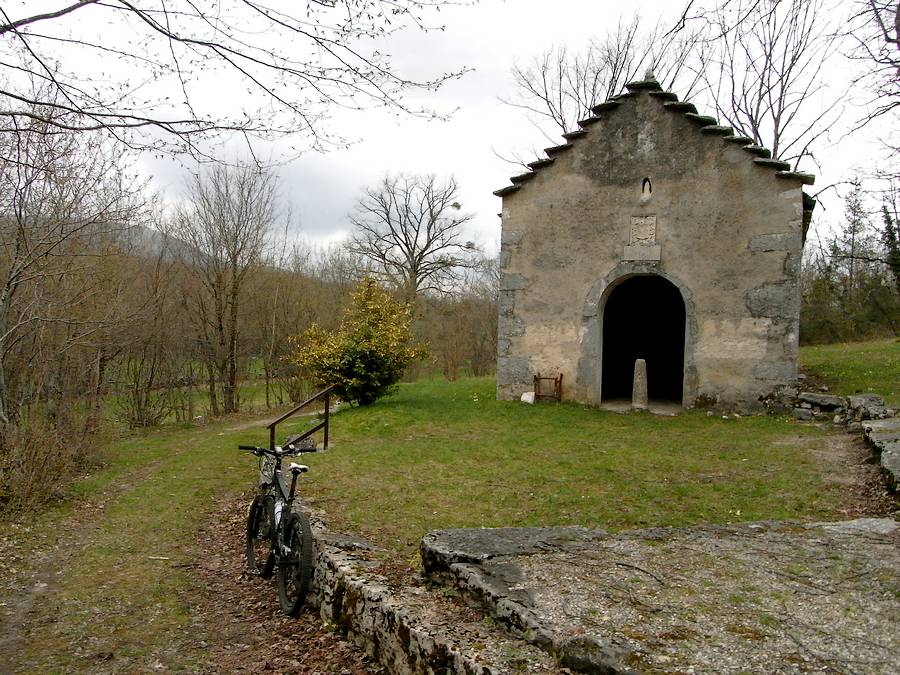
x=728 y=233
x=409 y=629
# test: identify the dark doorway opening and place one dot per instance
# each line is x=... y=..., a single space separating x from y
x=644 y=319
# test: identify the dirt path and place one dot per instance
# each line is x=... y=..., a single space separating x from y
x=33 y=557
x=847 y=464
x=233 y=622
x=241 y=626
x=254 y=423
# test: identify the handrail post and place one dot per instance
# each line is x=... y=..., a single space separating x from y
x=327 y=412
x=326 y=394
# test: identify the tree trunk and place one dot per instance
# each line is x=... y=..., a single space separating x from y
x=92 y=422
x=231 y=401
x=213 y=398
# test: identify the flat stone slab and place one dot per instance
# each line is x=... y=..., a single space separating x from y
x=885 y=425
x=890 y=465
x=757 y=597
x=884 y=436
x=865 y=400
x=439 y=549
x=824 y=401
x=868 y=407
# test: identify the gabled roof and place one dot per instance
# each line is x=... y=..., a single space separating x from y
x=705 y=125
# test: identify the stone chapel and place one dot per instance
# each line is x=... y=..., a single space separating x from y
x=655 y=233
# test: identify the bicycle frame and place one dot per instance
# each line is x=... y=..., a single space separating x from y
x=282 y=501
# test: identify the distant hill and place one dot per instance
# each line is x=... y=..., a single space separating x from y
x=147 y=242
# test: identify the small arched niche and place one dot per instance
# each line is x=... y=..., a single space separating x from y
x=646 y=190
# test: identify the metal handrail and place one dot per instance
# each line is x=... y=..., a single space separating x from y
x=326 y=393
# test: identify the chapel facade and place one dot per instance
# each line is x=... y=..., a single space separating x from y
x=653 y=233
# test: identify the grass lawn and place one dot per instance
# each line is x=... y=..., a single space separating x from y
x=438 y=454
x=857 y=367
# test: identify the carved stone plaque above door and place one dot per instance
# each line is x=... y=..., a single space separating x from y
x=642 y=242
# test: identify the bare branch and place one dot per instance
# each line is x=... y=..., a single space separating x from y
x=770 y=73
x=293 y=66
x=559 y=87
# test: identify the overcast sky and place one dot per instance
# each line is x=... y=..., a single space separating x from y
x=488 y=38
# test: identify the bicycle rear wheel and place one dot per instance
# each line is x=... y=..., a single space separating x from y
x=258 y=545
x=295 y=570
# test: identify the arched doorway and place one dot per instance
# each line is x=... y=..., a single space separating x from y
x=643 y=318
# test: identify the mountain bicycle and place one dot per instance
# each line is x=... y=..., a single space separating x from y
x=277 y=538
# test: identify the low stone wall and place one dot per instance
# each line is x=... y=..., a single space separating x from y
x=884 y=437
x=364 y=610
x=409 y=629
x=850 y=411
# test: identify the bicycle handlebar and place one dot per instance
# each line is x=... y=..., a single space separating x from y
x=258 y=451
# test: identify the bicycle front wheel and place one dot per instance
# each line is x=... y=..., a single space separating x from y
x=296 y=569
x=258 y=545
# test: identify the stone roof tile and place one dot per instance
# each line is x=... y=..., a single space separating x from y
x=772 y=163
x=650 y=84
x=522 y=177
x=509 y=189
x=702 y=120
x=758 y=150
x=715 y=130
x=681 y=106
x=605 y=107
x=540 y=163
x=805 y=178
x=556 y=149
x=578 y=133
x=739 y=140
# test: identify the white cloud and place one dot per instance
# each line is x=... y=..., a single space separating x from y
x=488 y=37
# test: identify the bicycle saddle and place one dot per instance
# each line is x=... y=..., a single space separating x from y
x=298 y=468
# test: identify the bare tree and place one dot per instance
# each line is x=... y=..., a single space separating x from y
x=408 y=228
x=64 y=201
x=769 y=73
x=154 y=374
x=890 y=237
x=225 y=227
x=875 y=35
x=763 y=65
x=561 y=87
x=145 y=65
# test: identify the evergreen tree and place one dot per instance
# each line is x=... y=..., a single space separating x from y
x=850 y=287
x=892 y=246
x=368 y=353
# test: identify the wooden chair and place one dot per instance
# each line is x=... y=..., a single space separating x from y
x=548 y=388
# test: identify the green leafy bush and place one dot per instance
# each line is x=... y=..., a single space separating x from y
x=368 y=353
